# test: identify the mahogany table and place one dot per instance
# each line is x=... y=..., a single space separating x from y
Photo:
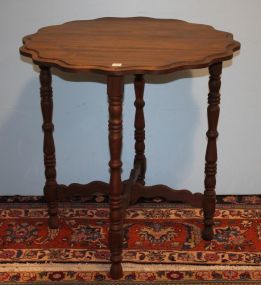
x=116 y=47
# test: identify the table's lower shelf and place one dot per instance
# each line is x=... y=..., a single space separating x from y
x=131 y=192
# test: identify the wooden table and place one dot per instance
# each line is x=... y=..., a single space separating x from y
x=116 y=47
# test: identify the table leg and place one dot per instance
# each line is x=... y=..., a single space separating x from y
x=139 y=127
x=50 y=188
x=115 y=87
x=209 y=201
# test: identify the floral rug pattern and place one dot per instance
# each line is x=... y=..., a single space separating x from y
x=129 y=277
x=160 y=234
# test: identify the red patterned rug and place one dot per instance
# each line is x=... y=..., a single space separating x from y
x=162 y=243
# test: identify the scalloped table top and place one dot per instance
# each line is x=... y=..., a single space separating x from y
x=128 y=45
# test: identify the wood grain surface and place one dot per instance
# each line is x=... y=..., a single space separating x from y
x=136 y=45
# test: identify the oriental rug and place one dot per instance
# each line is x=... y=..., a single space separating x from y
x=162 y=243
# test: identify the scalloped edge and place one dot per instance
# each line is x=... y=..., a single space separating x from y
x=172 y=67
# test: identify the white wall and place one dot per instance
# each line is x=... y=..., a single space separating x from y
x=175 y=111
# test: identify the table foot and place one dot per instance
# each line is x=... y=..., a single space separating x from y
x=53 y=221
x=116 y=271
x=208 y=233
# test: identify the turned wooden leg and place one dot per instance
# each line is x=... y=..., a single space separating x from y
x=115 y=93
x=50 y=188
x=209 y=200
x=139 y=128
